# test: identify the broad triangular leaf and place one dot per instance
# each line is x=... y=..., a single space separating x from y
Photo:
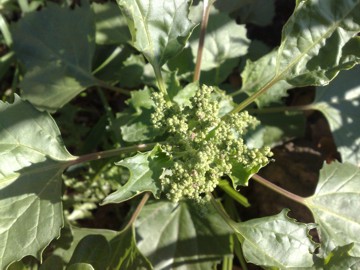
x=57 y=49
x=159 y=29
x=125 y=254
x=31 y=163
x=318 y=40
x=182 y=236
x=276 y=242
x=339 y=102
x=145 y=170
x=335 y=206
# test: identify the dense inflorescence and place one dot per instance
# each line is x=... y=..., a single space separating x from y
x=202 y=145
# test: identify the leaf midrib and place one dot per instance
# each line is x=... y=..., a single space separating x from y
x=282 y=74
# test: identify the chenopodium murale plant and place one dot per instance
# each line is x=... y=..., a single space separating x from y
x=203 y=145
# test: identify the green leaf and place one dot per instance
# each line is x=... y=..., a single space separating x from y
x=339 y=258
x=125 y=254
x=92 y=249
x=145 y=170
x=56 y=48
x=135 y=123
x=335 y=206
x=32 y=160
x=111 y=26
x=159 y=29
x=66 y=247
x=258 y=72
x=225 y=42
x=276 y=242
x=80 y=266
x=52 y=263
x=241 y=175
x=179 y=236
x=318 y=40
x=339 y=102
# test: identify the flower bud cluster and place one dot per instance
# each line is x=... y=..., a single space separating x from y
x=202 y=145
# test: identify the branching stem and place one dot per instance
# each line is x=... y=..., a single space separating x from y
x=254 y=96
x=204 y=23
x=111 y=153
x=278 y=189
x=282 y=109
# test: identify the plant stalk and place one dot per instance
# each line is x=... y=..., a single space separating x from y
x=278 y=189
x=282 y=109
x=225 y=186
x=160 y=81
x=137 y=210
x=254 y=96
x=108 y=60
x=113 y=88
x=204 y=23
x=111 y=153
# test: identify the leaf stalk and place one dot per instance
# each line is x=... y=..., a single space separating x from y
x=204 y=23
x=254 y=96
x=225 y=186
x=111 y=153
x=278 y=189
x=137 y=210
x=282 y=109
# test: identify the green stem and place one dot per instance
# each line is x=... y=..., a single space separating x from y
x=160 y=81
x=108 y=60
x=240 y=255
x=282 y=109
x=225 y=186
x=227 y=263
x=218 y=207
x=113 y=88
x=278 y=189
x=137 y=210
x=111 y=153
x=254 y=96
x=204 y=23
x=4 y=28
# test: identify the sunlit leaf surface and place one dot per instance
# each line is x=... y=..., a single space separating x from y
x=32 y=160
x=335 y=206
